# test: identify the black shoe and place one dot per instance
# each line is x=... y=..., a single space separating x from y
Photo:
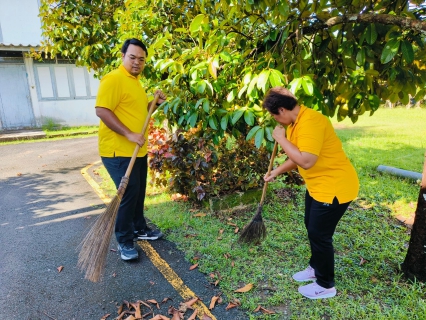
x=148 y=234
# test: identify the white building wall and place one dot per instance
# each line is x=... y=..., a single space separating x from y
x=71 y=113
x=19 y=21
x=58 y=92
x=66 y=94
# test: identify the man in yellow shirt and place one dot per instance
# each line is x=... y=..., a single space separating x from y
x=313 y=147
x=122 y=105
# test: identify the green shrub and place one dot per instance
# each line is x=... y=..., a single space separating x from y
x=190 y=163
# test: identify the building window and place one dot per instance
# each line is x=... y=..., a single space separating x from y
x=61 y=81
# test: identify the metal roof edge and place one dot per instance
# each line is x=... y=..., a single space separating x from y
x=18 y=47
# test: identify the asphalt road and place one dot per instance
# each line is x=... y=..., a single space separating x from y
x=46 y=208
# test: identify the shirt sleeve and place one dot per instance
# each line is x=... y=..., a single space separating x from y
x=109 y=93
x=310 y=135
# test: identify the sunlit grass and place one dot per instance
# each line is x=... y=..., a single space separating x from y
x=71 y=130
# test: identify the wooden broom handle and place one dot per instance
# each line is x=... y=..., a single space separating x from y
x=271 y=163
x=145 y=126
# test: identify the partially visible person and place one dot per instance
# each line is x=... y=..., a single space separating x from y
x=313 y=147
x=122 y=106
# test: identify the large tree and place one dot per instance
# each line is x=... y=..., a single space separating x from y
x=216 y=59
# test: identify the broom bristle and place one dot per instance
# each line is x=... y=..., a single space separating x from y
x=95 y=245
x=255 y=231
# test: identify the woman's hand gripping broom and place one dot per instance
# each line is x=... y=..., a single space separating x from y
x=95 y=246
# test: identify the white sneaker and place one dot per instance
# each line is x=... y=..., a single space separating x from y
x=315 y=291
x=306 y=275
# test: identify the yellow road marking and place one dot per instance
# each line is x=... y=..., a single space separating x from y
x=93 y=183
x=155 y=258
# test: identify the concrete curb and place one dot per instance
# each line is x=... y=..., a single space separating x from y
x=19 y=135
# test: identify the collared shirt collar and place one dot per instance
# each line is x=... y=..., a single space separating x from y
x=302 y=109
x=122 y=69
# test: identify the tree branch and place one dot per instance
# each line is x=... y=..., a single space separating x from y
x=403 y=22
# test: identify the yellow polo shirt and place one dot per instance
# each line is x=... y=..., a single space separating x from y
x=123 y=94
x=333 y=174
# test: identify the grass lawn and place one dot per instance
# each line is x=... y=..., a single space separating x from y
x=369 y=242
x=64 y=131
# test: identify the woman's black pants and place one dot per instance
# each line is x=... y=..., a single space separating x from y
x=321 y=220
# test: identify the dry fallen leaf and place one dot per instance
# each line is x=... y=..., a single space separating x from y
x=137 y=307
x=154 y=302
x=177 y=314
x=113 y=250
x=230 y=306
x=121 y=315
x=179 y=197
x=131 y=317
x=236 y=230
x=145 y=304
x=60 y=268
x=190 y=302
x=216 y=283
x=232 y=224
x=206 y=317
x=193 y=266
x=257 y=309
x=166 y=299
x=19 y=174
x=213 y=302
x=160 y=317
x=362 y=261
x=266 y=311
x=193 y=315
x=246 y=288
x=200 y=215
x=105 y=316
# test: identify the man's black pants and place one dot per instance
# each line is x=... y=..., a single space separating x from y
x=321 y=220
x=130 y=215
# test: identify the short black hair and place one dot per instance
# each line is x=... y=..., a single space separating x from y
x=135 y=42
x=279 y=97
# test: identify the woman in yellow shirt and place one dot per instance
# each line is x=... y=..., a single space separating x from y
x=313 y=147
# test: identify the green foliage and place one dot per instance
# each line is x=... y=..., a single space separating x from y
x=84 y=31
x=216 y=60
x=199 y=169
x=49 y=124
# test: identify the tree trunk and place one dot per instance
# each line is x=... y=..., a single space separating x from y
x=414 y=265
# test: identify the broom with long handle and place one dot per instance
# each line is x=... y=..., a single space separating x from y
x=255 y=231
x=94 y=247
